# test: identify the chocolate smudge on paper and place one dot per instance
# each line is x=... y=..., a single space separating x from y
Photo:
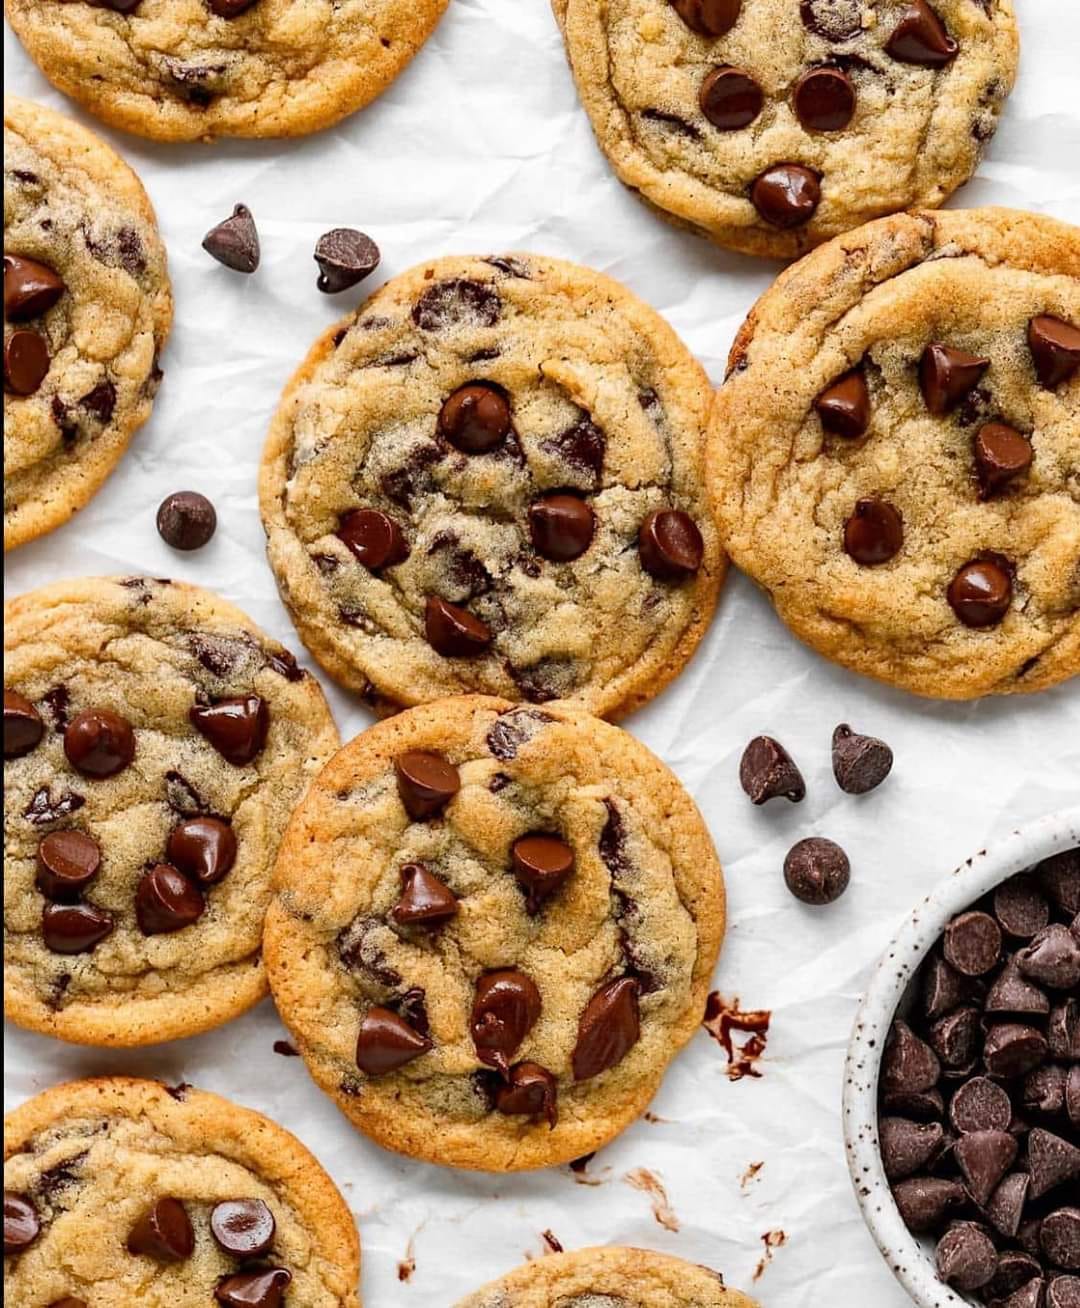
x=640 y=1178
x=771 y=1240
x=722 y=1018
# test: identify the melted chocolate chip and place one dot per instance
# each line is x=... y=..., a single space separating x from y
x=582 y=446
x=186 y=520
x=561 y=527
x=530 y=1091
x=541 y=864
x=824 y=99
x=67 y=861
x=730 y=98
x=1001 y=455
x=22 y=1226
x=981 y=592
x=874 y=533
x=844 y=405
x=99 y=743
x=786 y=195
x=425 y=900
x=374 y=537
x=237 y=728
x=860 y=763
x=23 y=727
x=505 y=1009
x=453 y=631
x=101 y=401
x=163 y=1232
x=513 y=729
x=387 y=1042
x=426 y=782
x=260 y=1289
x=476 y=418
x=946 y=375
x=817 y=871
x=26 y=362
x=609 y=1027
x=30 y=288
x=166 y=901
x=242 y=1227
x=203 y=848
x=456 y=302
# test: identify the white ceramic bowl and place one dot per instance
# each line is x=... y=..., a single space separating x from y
x=912 y=1258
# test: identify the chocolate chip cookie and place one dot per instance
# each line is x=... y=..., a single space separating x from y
x=87 y=308
x=154 y=743
x=491 y=479
x=772 y=125
x=608 y=1277
x=119 y=1191
x=895 y=455
x=189 y=70
x=493 y=927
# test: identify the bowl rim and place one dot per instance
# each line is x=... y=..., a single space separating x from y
x=1020 y=849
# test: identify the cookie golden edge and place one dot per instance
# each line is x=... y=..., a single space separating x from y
x=468 y=1147
x=639 y=175
x=350 y=88
x=1033 y=242
x=217 y=1125
x=105 y=166
x=609 y=1270
x=298 y=584
x=219 y=997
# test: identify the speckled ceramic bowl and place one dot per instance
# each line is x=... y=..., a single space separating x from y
x=890 y=992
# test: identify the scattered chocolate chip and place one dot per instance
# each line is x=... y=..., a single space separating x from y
x=860 y=763
x=767 y=770
x=23 y=727
x=907 y=1146
x=163 y=1233
x=786 y=195
x=908 y=1064
x=946 y=375
x=561 y=527
x=425 y=900
x=345 y=257
x=26 y=361
x=670 y=545
x=237 y=727
x=1052 y=958
x=874 y=533
x=505 y=1009
x=817 y=871
x=972 y=943
x=261 y=1289
x=452 y=631
x=374 y=537
x=1059 y=1238
x=242 y=1227
x=984 y=1157
x=31 y=288
x=476 y=418
x=981 y=592
x=824 y=99
x=965 y=1256
x=203 y=848
x=1055 y=349
x=608 y=1029
x=1052 y=1161
x=1001 y=455
x=1013 y=1049
x=730 y=98
x=530 y=1091
x=920 y=37
x=844 y=405
x=166 y=901
x=980 y=1105
x=67 y=861
x=387 y=1042
x=235 y=241
x=541 y=864
x=426 y=782
x=456 y=301
x=99 y=743
x=708 y=17
x=21 y=1222
x=925 y=1201
x=186 y=520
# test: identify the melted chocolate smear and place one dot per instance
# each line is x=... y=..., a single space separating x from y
x=613 y=842
x=51 y=1185
x=43 y=808
x=464 y=570
x=360 y=953
x=552 y=1241
x=510 y=266
x=582 y=446
x=722 y=1018
x=413 y=477
x=101 y=401
x=679 y=125
x=455 y=302
x=513 y=729
x=182 y=797
x=57 y=701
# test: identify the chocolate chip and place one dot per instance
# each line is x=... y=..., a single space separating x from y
x=907 y=1146
x=1055 y=349
x=944 y=988
x=786 y=195
x=1001 y=455
x=924 y=1201
x=455 y=302
x=954 y=1038
x=860 y=763
x=505 y=1009
x=530 y=1091
x=101 y=401
x=26 y=361
x=946 y=375
x=163 y=1232
x=835 y=20
x=31 y=288
x=345 y=257
x=980 y=1105
x=1012 y=1049
x=984 y=1157
x=920 y=37
x=908 y=1064
x=730 y=98
x=476 y=418
x=425 y=900
x=1011 y=993
x=1072 y=1096
x=582 y=446
x=1059 y=877
x=262 y=1289
x=874 y=533
x=670 y=545
x=1052 y=1161
x=236 y=727
x=1029 y=1295
x=374 y=537
x=767 y=770
x=22 y=1226
x=920 y=1104
x=67 y=861
x=387 y=1042
x=1020 y=907
x=56 y=701
x=817 y=871
x=426 y=782
x=166 y=901
x=1063 y=1030
x=452 y=631
x=1005 y=1206
x=242 y=1227
x=1014 y=1270
x=1052 y=958
x=1044 y=1090
x=1059 y=1238
x=608 y=1029
x=561 y=527
x=708 y=17
x=99 y=743
x=515 y=728
x=972 y=943
x=965 y=1256
x=824 y=99
x=203 y=848
x=23 y=727
x=186 y=520
x=981 y=592
x=229 y=8
x=235 y=241
x=43 y=808
x=1063 y=1292
x=844 y=405
x=541 y=864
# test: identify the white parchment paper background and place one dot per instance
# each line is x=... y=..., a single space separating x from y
x=481 y=146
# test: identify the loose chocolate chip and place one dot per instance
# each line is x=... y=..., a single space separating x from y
x=229 y=8
x=1052 y=1161
x=505 y=1009
x=767 y=770
x=476 y=418
x=874 y=533
x=608 y=1029
x=1005 y=1206
x=452 y=631
x=1001 y=455
x=908 y=1064
x=67 y=861
x=457 y=300
x=670 y=545
x=235 y=241
x=1059 y=1238
x=262 y=1289
x=1013 y=1049
x=817 y=871
x=541 y=864
x=1063 y=1292
x=860 y=763
x=242 y=1227
x=163 y=1233
x=425 y=900
x=387 y=1042
x=730 y=98
x=835 y=20
x=203 y=848
x=99 y=743
x=1020 y=907
x=924 y=1201
x=561 y=527
x=972 y=943
x=980 y=1105
x=907 y=1146
x=530 y=1091
x=26 y=361
x=786 y=195
x=1055 y=349
x=966 y=1257
x=981 y=592
x=946 y=375
x=21 y=1222
x=186 y=520
x=708 y=17
x=426 y=782
x=345 y=257
x=166 y=901
x=920 y=37
x=1044 y=1090
x=236 y=727
x=984 y=1157
x=31 y=288
x=844 y=405
x=1052 y=958
x=374 y=537
x=23 y=727
x=824 y=99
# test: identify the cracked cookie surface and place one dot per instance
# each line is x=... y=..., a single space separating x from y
x=493 y=927
x=188 y=70
x=155 y=741
x=234 y=1196
x=87 y=308
x=772 y=125
x=895 y=455
x=491 y=480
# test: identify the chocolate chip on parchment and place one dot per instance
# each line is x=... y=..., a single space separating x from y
x=860 y=763
x=186 y=520
x=163 y=1232
x=345 y=257
x=767 y=771
x=817 y=871
x=972 y=943
x=965 y=1256
x=234 y=242
x=387 y=1042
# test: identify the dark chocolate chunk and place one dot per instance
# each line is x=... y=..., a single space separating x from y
x=609 y=1027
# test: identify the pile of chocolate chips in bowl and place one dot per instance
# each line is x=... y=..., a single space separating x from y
x=979 y=1113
